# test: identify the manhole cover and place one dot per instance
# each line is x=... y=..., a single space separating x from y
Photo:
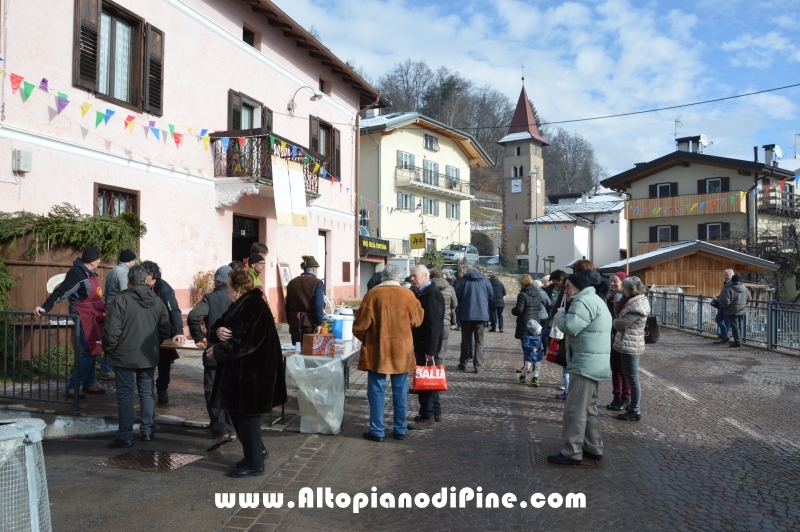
x=150 y=461
x=538 y=453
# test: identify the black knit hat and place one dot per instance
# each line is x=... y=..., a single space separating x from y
x=254 y=259
x=584 y=279
x=127 y=255
x=90 y=254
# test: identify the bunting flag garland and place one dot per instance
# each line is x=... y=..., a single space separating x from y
x=44 y=85
x=171 y=129
x=189 y=130
x=203 y=132
x=62 y=100
x=85 y=106
x=129 y=122
x=156 y=132
x=99 y=117
x=27 y=90
x=108 y=115
x=177 y=137
x=241 y=141
x=225 y=143
x=15 y=81
x=206 y=142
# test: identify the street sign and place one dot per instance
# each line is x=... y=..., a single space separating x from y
x=417 y=240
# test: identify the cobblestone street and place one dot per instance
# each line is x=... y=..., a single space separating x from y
x=717 y=449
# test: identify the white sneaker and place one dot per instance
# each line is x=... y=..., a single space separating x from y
x=561 y=388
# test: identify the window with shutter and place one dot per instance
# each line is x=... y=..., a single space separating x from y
x=714 y=231
x=234 y=110
x=87 y=33
x=154 y=71
x=664 y=233
x=713 y=186
x=337 y=154
x=664 y=190
x=109 y=58
x=313 y=133
x=266 y=119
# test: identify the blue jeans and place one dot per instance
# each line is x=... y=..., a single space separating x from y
x=85 y=368
x=496 y=318
x=376 y=393
x=104 y=365
x=723 y=323
x=128 y=380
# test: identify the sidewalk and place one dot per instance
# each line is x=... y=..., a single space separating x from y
x=717 y=449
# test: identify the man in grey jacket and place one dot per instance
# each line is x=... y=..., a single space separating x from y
x=734 y=298
x=136 y=324
x=205 y=314
x=116 y=282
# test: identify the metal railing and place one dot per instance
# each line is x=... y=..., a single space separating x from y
x=429 y=177
x=736 y=244
x=39 y=354
x=772 y=323
x=253 y=161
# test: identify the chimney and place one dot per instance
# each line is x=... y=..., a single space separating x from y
x=755 y=154
x=769 y=150
x=683 y=144
x=691 y=144
x=585 y=198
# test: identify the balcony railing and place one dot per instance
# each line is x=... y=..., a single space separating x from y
x=779 y=202
x=254 y=161
x=423 y=178
x=691 y=205
x=730 y=243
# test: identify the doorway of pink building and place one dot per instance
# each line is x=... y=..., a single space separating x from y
x=322 y=258
x=245 y=234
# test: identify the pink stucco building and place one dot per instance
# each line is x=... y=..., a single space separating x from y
x=181 y=70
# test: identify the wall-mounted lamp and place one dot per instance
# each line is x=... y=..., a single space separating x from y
x=292 y=105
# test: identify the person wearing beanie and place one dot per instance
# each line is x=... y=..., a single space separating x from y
x=201 y=319
x=256 y=264
x=532 y=352
x=734 y=298
x=116 y=282
x=621 y=386
x=305 y=301
x=587 y=334
x=81 y=287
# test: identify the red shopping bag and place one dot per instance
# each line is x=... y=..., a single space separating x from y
x=552 y=351
x=429 y=379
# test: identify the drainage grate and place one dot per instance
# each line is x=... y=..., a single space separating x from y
x=150 y=461
x=537 y=454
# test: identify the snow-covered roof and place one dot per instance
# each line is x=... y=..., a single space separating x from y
x=522 y=135
x=683 y=248
x=557 y=218
x=790 y=164
x=591 y=207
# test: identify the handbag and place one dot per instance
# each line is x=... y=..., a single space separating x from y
x=552 y=351
x=555 y=332
x=651 y=330
x=429 y=379
x=561 y=357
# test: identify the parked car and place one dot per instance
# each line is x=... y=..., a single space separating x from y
x=466 y=253
x=363 y=231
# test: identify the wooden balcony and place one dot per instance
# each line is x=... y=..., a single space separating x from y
x=691 y=205
x=647 y=247
x=780 y=203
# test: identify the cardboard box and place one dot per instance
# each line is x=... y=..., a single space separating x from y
x=318 y=345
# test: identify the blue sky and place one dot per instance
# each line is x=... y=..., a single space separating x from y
x=590 y=58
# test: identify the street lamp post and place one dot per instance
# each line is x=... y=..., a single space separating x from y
x=535 y=176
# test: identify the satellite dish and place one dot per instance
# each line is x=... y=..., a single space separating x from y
x=704 y=140
x=778 y=152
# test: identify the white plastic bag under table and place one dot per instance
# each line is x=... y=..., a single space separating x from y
x=24 y=504
x=320 y=392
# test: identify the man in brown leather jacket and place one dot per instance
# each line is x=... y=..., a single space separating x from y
x=305 y=301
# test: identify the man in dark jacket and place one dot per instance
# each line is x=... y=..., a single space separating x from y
x=167 y=295
x=202 y=317
x=374 y=281
x=136 y=324
x=734 y=298
x=555 y=286
x=496 y=305
x=427 y=343
x=723 y=323
x=82 y=288
x=116 y=282
x=474 y=292
x=305 y=301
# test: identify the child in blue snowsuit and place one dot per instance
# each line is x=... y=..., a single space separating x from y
x=532 y=352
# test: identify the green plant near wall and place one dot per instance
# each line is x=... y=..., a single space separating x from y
x=433 y=257
x=65 y=225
